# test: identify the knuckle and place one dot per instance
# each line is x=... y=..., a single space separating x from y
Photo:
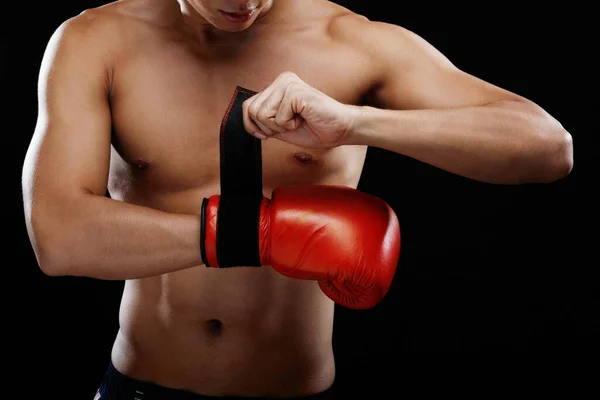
x=253 y=109
x=262 y=113
x=295 y=85
x=289 y=76
x=281 y=121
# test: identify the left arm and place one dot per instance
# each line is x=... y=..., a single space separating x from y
x=426 y=108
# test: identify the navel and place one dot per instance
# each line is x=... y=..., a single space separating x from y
x=304 y=157
x=214 y=327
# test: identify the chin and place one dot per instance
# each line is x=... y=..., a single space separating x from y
x=226 y=26
x=232 y=29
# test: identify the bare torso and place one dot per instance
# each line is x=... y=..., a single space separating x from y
x=245 y=331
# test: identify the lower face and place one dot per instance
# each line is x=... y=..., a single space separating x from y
x=230 y=15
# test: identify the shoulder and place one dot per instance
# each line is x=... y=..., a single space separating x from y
x=382 y=41
x=107 y=29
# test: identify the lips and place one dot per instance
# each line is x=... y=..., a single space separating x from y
x=238 y=17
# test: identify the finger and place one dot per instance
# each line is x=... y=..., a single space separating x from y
x=251 y=127
x=256 y=102
x=264 y=128
x=286 y=116
x=264 y=109
x=267 y=123
x=267 y=103
x=258 y=114
x=271 y=107
x=264 y=116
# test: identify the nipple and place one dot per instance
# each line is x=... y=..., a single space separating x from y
x=304 y=157
x=141 y=164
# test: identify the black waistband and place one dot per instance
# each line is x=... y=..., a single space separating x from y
x=118 y=386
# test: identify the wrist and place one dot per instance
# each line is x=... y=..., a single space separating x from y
x=359 y=132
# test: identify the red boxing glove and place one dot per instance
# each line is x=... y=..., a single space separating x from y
x=347 y=240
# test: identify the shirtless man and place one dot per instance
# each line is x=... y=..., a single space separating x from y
x=131 y=96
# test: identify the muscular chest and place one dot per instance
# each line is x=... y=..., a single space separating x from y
x=168 y=104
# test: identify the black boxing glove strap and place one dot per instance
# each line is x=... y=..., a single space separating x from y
x=203 y=232
x=241 y=189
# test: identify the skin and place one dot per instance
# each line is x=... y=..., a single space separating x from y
x=131 y=96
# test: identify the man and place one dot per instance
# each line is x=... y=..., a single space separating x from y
x=131 y=98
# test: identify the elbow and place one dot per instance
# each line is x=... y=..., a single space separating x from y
x=552 y=158
x=559 y=159
x=51 y=258
x=50 y=262
x=49 y=244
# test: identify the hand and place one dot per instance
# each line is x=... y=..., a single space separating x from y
x=292 y=111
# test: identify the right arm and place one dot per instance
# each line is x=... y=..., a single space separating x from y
x=74 y=229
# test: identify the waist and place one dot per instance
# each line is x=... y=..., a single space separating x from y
x=116 y=385
x=240 y=332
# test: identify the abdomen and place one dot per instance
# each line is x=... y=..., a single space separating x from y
x=245 y=331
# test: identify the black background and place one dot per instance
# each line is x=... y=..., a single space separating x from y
x=484 y=268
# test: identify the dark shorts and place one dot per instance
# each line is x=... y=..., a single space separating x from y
x=117 y=386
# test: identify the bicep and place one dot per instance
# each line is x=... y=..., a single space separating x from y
x=70 y=148
x=415 y=75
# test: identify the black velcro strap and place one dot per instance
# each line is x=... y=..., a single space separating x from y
x=241 y=189
x=203 y=233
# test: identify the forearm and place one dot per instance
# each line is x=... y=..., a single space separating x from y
x=506 y=143
x=102 y=238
